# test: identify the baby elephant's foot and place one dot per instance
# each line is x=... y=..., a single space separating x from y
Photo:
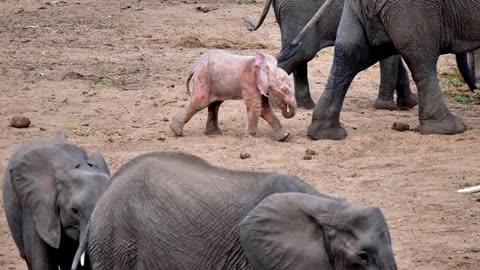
x=177 y=127
x=281 y=136
x=213 y=131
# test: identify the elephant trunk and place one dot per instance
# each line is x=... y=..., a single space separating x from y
x=80 y=254
x=290 y=107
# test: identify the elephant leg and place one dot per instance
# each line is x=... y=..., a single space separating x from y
x=302 y=88
x=433 y=113
x=388 y=83
x=405 y=98
x=180 y=120
x=38 y=254
x=212 y=121
x=272 y=120
x=254 y=109
x=352 y=55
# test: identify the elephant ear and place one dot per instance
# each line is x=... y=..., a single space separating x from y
x=284 y=231
x=97 y=161
x=33 y=179
x=261 y=71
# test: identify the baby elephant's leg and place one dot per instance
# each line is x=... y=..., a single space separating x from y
x=272 y=120
x=212 y=121
x=254 y=109
x=181 y=119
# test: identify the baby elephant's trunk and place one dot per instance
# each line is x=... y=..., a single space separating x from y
x=289 y=111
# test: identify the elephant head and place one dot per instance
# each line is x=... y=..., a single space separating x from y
x=60 y=185
x=276 y=82
x=299 y=231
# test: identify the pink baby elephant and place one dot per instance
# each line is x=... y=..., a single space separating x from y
x=219 y=76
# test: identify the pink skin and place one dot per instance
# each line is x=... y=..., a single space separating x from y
x=220 y=76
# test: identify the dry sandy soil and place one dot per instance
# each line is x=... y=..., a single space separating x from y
x=112 y=74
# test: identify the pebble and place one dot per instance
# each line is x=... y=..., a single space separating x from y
x=310 y=152
x=244 y=155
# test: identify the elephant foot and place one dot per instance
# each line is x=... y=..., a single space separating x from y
x=381 y=104
x=323 y=130
x=449 y=125
x=213 y=131
x=406 y=104
x=176 y=127
x=281 y=136
x=306 y=103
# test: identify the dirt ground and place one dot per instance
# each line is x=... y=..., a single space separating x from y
x=112 y=74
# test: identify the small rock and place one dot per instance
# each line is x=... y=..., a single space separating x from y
x=310 y=152
x=244 y=155
x=42 y=129
x=19 y=122
x=155 y=104
x=307 y=157
x=165 y=119
x=85 y=124
x=161 y=138
x=399 y=126
x=65 y=100
x=111 y=140
x=206 y=9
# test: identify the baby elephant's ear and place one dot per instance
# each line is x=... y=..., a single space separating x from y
x=97 y=161
x=261 y=70
x=33 y=180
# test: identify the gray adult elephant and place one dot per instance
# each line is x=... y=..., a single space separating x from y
x=49 y=191
x=371 y=30
x=292 y=15
x=171 y=210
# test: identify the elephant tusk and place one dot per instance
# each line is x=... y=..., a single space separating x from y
x=470 y=189
x=82 y=259
x=288 y=109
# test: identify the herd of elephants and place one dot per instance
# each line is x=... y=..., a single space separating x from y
x=173 y=210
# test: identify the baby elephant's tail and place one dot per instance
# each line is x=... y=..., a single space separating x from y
x=188 y=82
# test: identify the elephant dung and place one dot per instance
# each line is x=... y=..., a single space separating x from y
x=399 y=126
x=20 y=122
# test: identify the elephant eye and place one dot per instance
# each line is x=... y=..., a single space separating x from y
x=77 y=166
x=364 y=258
x=74 y=210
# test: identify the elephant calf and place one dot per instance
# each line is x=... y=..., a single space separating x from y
x=49 y=191
x=219 y=76
x=171 y=210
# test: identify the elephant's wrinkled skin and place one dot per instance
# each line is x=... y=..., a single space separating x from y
x=170 y=210
x=220 y=76
x=49 y=191
x=420 y=31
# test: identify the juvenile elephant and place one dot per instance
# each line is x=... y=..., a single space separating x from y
x=292 y=15
x=371 y=30
x=220 y=76
x=49 y=191
x=171 y=210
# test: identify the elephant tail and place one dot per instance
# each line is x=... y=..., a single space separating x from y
x=292 y=47
x=188 y=82
x=462 y=63
x=250 y=25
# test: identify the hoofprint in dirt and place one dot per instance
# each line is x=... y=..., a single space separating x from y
x=112 y=74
